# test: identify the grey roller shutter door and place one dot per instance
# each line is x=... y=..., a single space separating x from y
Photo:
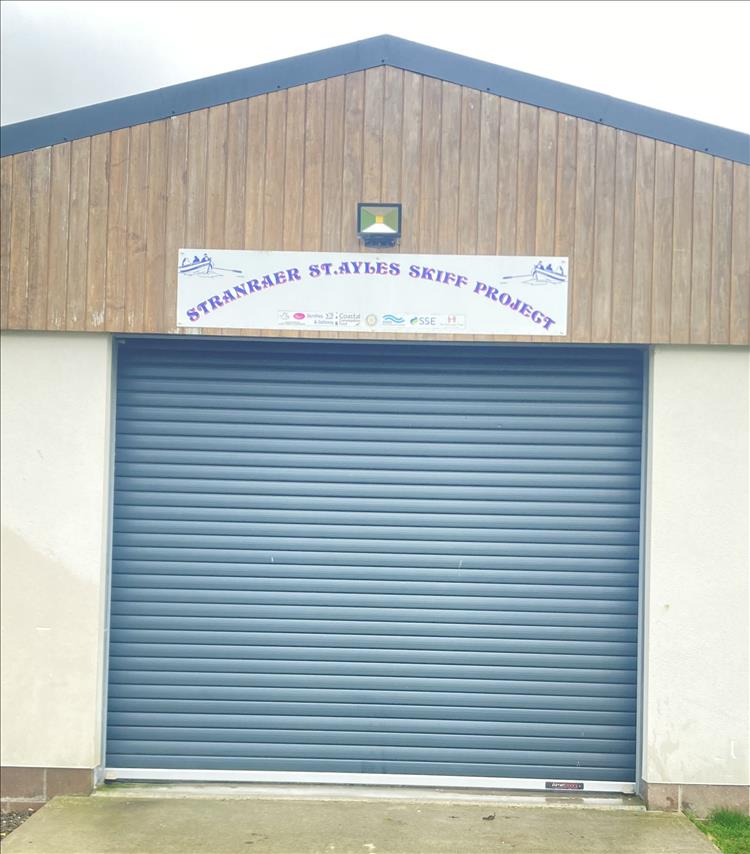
x=376 y=558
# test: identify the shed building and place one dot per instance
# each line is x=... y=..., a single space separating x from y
x=497 y=549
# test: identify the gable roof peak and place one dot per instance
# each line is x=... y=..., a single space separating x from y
x=362 y=55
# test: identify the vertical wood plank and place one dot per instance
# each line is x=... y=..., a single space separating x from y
x=136 y=227
x=20 y=219
x=700 y=294
x=273 y=195
x=411 y=176
x=195 y=225
x=58 y=236
x=80 y=160
x=96 y=263
x=352 y=175
x=255 y=175
x=157 y=267
x=333 y=153
x=721 y=249
x=114 y=318
x=234 y=223
x=528 y=155
x=507 y=188
x=36 y=313
x=450 y=147
x=333 y=165
x=682 y=239
x=489 y=148
x=604 y=212
x=468 y=172
x=642 y=241
x=546 y=195
x=739 y=312
x=313 y=178
x=624 y=231
x=372 y=142
x=429 y=193
x=294 y=168
x=216 y=176
x=6 y=201
x=176 y=213
x=393 y=118
x=565 y=199
x=661 y=296
x=582 y=290
x=403 y=117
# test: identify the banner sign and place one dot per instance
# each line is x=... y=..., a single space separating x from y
x=470 y=294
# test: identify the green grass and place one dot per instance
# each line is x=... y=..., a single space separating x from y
x=728 y=830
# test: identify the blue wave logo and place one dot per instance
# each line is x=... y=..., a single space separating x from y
x=393 y=318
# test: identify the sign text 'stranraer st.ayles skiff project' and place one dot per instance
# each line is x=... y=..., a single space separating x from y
x=470 y=294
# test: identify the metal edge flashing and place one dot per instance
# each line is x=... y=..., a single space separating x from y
x=358 y=56
x=100 y=769
x=642 y=715
x=212 y=776
x=642 y=545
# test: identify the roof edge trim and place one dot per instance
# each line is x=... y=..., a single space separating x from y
x=360 y=56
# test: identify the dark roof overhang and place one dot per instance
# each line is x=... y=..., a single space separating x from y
x=359 y=56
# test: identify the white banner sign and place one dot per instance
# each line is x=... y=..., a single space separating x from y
x=472 y=294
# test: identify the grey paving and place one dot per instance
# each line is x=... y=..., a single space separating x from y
x=190 y=825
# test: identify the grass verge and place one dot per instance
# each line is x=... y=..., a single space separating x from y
x=728 y=830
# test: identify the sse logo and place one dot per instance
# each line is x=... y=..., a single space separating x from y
x=422 y=320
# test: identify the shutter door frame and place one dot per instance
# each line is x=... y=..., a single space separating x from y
x=115 y=771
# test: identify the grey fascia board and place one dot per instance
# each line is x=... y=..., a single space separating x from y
x=359 y=56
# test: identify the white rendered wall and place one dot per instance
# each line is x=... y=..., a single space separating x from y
x=55 y=498
x=696 y=721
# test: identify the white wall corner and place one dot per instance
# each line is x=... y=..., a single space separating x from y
x=56 y=463
x=696 y=708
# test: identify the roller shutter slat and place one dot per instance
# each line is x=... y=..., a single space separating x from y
x=175 y=433
x=181 y=657
x=364 y=723
x=611 y=644
x=533 y=718
x=219 y=501
x=191 y=585
x=231 y=700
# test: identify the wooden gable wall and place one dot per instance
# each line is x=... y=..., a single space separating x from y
x=658 y=235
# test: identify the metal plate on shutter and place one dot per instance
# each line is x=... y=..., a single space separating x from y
x=375 y=558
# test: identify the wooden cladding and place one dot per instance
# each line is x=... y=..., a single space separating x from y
x=658 y=236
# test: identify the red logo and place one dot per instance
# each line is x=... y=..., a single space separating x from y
x=299 y=315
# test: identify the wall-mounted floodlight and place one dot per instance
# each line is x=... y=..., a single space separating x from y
x=378 y=224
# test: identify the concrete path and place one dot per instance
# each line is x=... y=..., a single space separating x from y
x=192 y=825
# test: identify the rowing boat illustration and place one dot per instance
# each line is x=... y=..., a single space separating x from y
x=547 y=274
x=197 y=265
x=542 y=275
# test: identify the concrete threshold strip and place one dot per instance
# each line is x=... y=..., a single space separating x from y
x=323 y=820
x=297 y=792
